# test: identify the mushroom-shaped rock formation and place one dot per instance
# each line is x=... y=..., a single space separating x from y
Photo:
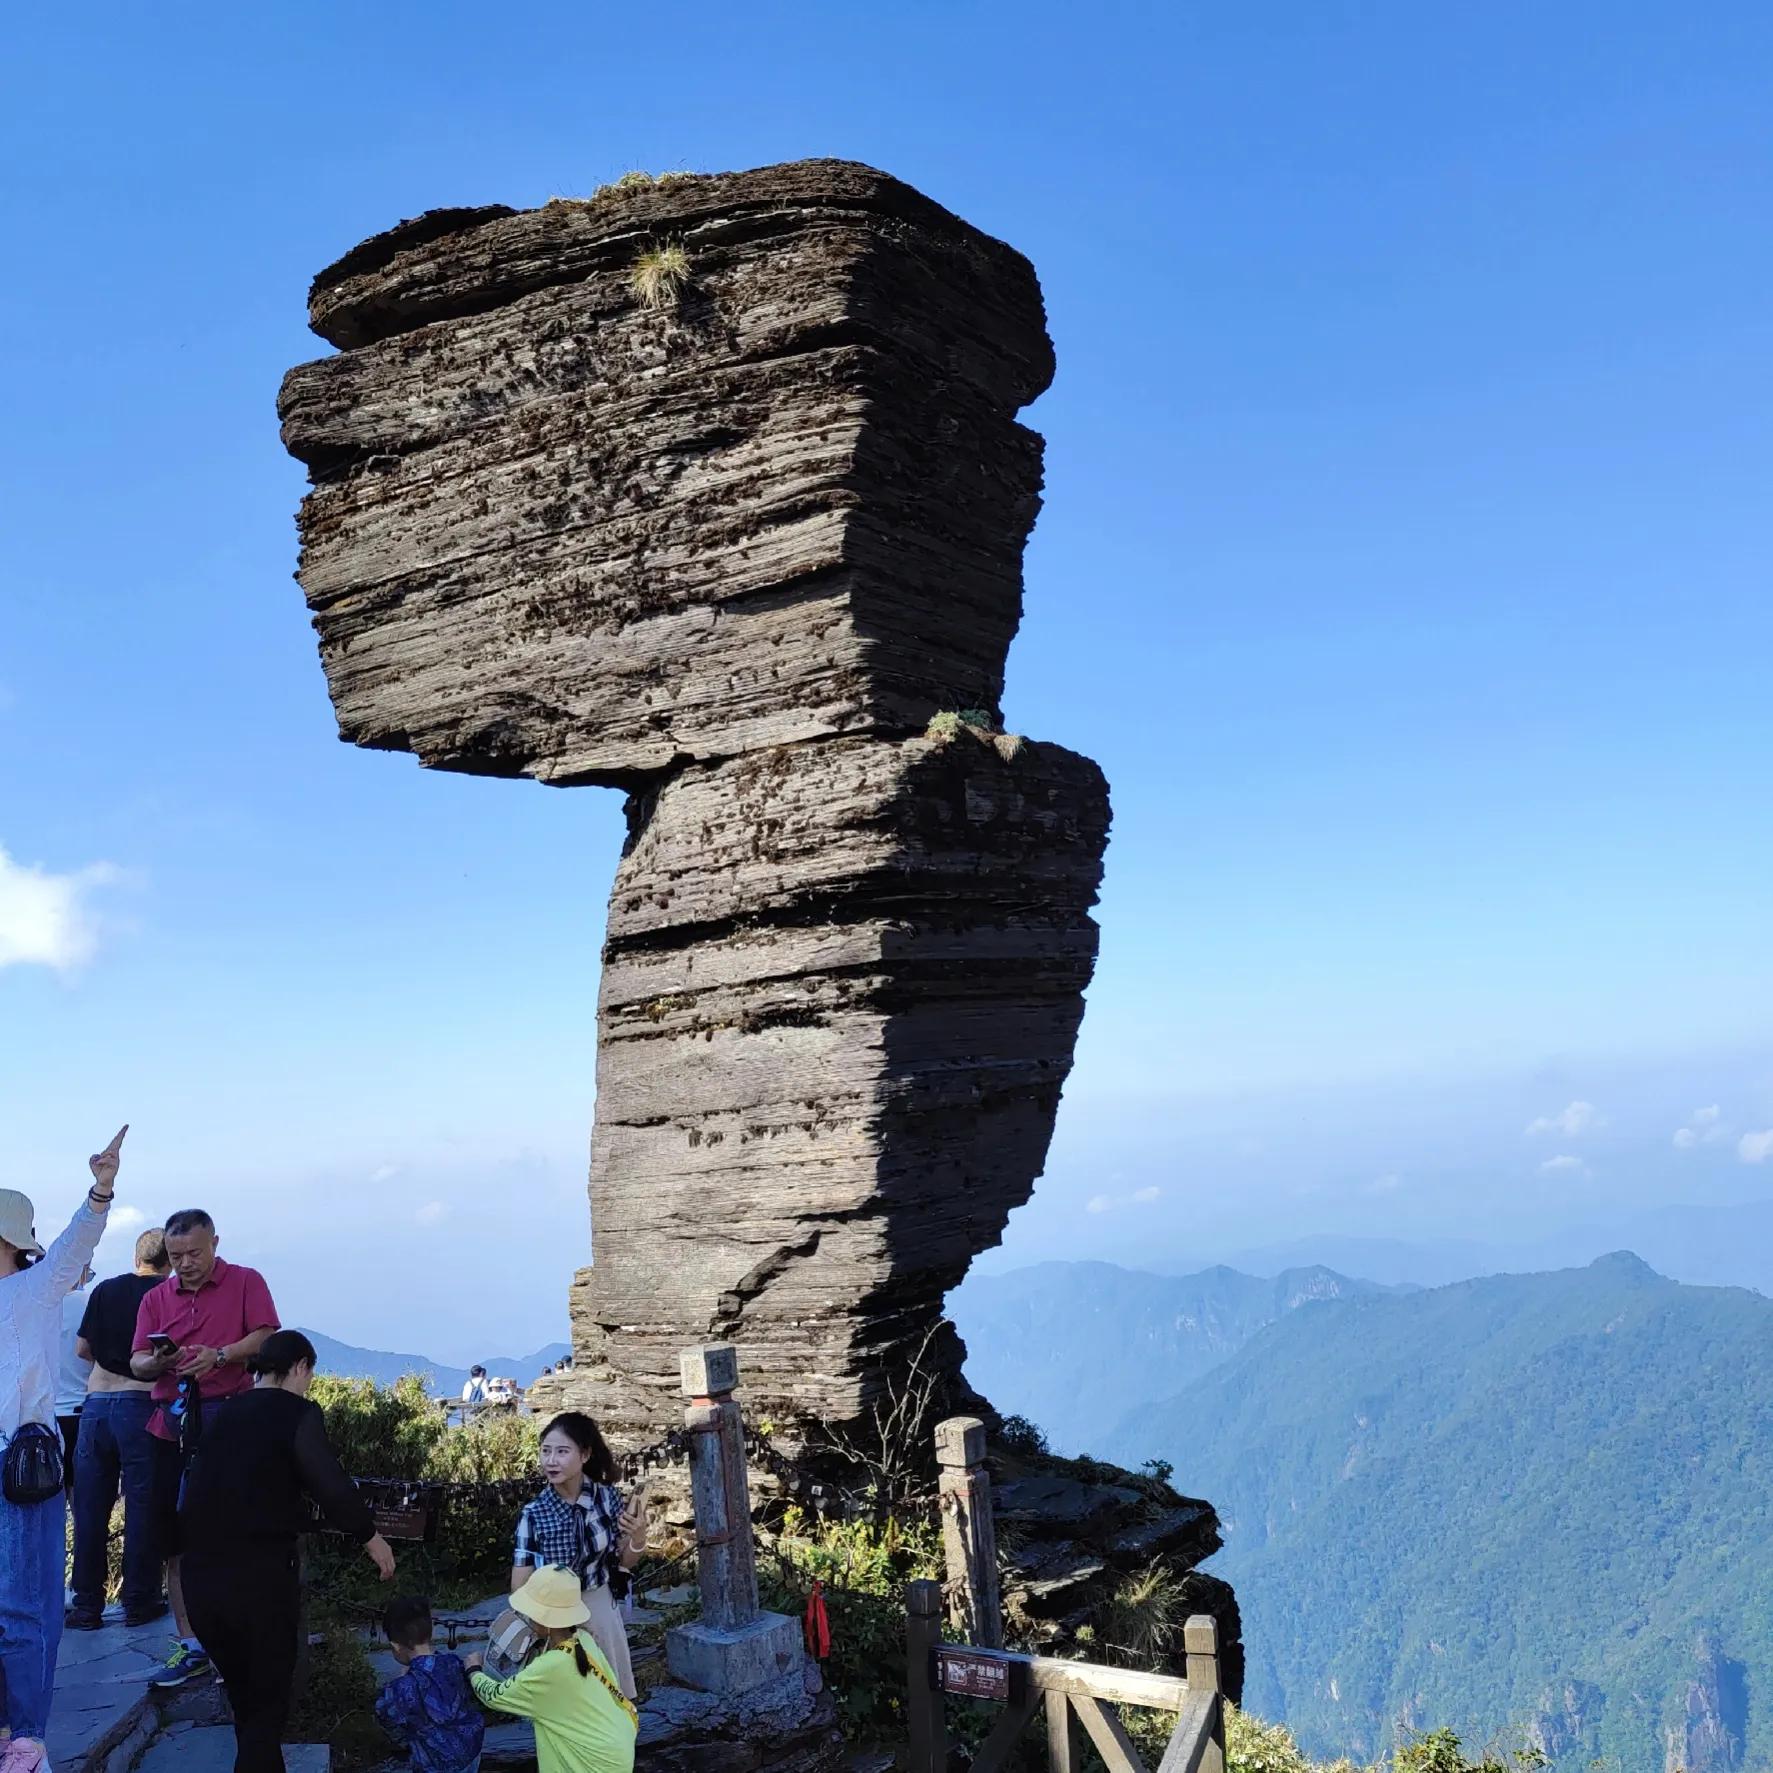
x=712 y=489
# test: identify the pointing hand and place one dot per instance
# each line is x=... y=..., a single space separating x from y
x=104 y=1164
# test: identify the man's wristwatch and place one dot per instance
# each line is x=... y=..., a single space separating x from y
x=222 y=1357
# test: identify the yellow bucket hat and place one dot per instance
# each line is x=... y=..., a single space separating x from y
x=551 y=1598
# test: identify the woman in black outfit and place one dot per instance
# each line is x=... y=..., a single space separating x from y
x=242 y=1517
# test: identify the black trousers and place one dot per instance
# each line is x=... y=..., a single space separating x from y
x=245 y=1602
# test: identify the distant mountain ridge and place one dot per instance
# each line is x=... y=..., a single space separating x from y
x=1707 y=1244
x=1074 y=1346
x=1541 y=1500
x=342 y=1361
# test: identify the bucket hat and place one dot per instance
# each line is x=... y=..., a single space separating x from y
x=551 y=1597
x=18 y=1220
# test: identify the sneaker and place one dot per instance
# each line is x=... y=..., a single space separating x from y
x=184 y=1664
x=151 y=1617
x=24 y=1755
x=75 y=1620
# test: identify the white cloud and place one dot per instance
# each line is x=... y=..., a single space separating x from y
x=45 y=919
x=1704 y=1127
x=432 y=1212
x=384 y=1173
x=1389 y=1183
x=121 y=1221
x=1755 y=1148
x=1563 y=1166
x=1576 y=1119
x=1109 y=1203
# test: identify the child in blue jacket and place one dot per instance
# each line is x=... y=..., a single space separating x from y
x=430 y=1710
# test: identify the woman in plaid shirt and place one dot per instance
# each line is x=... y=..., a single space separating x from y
x=581 y=1524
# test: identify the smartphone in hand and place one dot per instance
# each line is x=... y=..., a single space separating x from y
x=163 y=1345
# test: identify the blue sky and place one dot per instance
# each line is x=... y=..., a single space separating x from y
x=1403 y=562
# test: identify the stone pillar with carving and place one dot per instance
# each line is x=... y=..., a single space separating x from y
x=735 y=1645
x=969 y=1536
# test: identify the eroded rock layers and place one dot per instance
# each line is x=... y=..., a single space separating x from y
x=558 y=532
x=840 y=992
x=714 y=490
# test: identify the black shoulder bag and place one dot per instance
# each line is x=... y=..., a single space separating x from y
x=32 y=1471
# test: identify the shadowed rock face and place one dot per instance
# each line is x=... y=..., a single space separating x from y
x=731 y=554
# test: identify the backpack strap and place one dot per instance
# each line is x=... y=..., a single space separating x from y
x=615 y=1692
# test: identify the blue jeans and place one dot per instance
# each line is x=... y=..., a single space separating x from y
x=33 y=1564
x=115 y=1447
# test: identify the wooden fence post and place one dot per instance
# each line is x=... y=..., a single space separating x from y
x=969 y=1538
x=926 y=1725
x=1200 y=1644
x=1064 y=1751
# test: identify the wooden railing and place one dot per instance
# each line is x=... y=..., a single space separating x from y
x=1072 y=1695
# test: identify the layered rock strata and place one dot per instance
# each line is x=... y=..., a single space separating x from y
x=840 y=990
x=714 y=490
x=558 y=532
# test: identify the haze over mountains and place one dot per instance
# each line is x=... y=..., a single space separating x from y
x=1538 y=1503
x=1710 y=1245
x=1077 y=1345
x=342 y=1361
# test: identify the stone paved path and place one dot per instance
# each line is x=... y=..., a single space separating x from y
x=198 y=1748
x=101 y=1689
x=103 y=1717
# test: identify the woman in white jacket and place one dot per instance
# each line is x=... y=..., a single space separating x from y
x=33 y=1535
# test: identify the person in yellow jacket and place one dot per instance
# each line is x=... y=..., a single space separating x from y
x=568 y=1691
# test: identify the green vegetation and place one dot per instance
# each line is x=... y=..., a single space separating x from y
x=626 y=186
x=1143 y=1618
x=951 y=723
x=863 y=1569
x=335 y=1703
x=660 y=275
x=1252 y=1746
x=398 y=1432
x=1539 y=1498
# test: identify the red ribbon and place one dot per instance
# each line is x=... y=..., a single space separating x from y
x=817 y=1624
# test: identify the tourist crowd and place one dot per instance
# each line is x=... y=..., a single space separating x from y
x=176 y=1387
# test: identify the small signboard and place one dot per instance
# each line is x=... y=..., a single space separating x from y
x=410 y=1523
x=972 y=1674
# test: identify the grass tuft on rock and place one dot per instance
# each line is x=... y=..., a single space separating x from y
x=660 y=275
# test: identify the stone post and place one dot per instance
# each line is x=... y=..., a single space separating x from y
x=734 y=1646
x=969 y=1539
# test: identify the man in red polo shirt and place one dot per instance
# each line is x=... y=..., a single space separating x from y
x=215 y=1316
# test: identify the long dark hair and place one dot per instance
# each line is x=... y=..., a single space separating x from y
x=600 y=1462
x=283 y=1351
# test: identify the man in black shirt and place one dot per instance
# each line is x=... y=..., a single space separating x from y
x=115 y=1446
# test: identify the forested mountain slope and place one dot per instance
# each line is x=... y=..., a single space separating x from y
x=1542 y=1499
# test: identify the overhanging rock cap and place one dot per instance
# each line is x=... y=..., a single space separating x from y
x=562 y=529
